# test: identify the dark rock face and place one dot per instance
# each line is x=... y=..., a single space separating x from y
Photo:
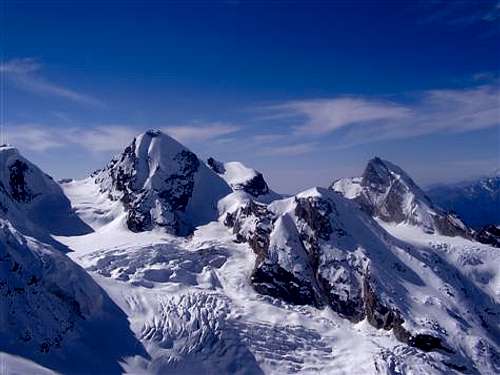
x=274 y=281
x=19 y=189
x=341 y=281
x=216 y=166
x=428 y=343
x=256 y=186
x=388 y=193
x=268 y=278
x=179 y=187
x=316 y=214
x=490 y=235
x=377 y=314
x=170 y=195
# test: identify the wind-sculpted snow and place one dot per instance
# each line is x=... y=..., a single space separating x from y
x=160 y=263
x=162 y=184
x=192 y=334
x=385 y=191
x=243 y=178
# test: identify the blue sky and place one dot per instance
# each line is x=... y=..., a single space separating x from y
x=303 y=91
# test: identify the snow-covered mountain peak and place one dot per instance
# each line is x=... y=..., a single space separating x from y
x=387 y=192
x=161 y=183
x=32 y=201
x=242 y=178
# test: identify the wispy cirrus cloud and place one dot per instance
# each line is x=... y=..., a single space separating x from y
x=104 y=138
x=25 y=74
x=33 y=137
x=289 y=150
x=459 y=14
x=357 y=120
x=327 y=115
x=201 y=132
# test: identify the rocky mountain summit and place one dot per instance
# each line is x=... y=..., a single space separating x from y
x=162 y=184
x=387 y=192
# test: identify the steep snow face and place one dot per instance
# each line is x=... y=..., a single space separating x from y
x=477 y=202
x=162 y=184
x=241 y=177
x=43 y=294
x=32 y=201
x=53 y=312
x=320 y=249
x=385 y=191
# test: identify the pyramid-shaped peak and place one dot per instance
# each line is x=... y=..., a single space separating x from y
x=161 y=183
x=387 y=192
x=380 y=172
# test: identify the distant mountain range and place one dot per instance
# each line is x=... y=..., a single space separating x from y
x=476 y=202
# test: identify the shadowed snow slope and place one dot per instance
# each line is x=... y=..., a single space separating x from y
x=53 y=312
x=387 y=192
x=32 y=201
x=160 y=183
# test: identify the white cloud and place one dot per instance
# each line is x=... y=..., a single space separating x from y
x=326 y=115
x=206 y=132
x=364 y=120
x=102 y=138
x=105 y=138
x=32 y=137
x=289 y=150
x=25 y=74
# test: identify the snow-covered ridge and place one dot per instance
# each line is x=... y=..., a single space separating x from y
x=387 y=192
x=32 y=201
x=241 y=177
x=162 y=184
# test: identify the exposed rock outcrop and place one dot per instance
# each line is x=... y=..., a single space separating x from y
x=243 y=178
x=32 y=201
x=319 y=249
x=385 y=191
x=489 y=234
x=162 y=184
